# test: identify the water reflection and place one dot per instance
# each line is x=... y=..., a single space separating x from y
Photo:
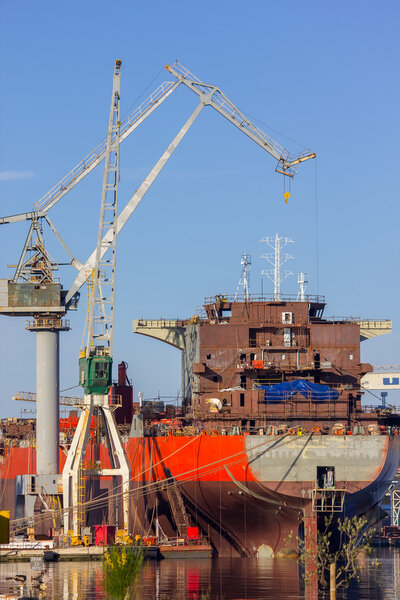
x=230 y=579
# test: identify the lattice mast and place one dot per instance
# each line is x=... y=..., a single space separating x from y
x=277 y=259
x=302 y=280
x=244 y=280
x=101 y=314
x=95 y=362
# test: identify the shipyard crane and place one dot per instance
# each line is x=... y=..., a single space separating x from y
x=48 y=303
x=95 y=363
x=210 y=95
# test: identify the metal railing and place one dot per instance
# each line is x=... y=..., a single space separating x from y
x=158 y=323
x=230 y=298
x=64 y=400
x=48 y=323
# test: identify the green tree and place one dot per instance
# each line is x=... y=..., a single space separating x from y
x=352 y=537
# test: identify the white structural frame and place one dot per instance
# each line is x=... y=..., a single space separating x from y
x=76 y=454
x=244 y=280
x=303 y=282
x=277 y=260
x=395 y=503
x=101 y=312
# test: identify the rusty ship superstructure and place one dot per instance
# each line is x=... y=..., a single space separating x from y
x=233 y=350
x=272 y=396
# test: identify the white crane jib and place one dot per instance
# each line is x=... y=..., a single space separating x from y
x=213 y=96
x=209 y=95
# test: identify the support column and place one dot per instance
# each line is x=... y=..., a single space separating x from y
x=47 y=392
x=47 y=402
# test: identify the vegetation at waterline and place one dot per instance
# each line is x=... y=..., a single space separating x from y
x=121 y=570
x=352 y=539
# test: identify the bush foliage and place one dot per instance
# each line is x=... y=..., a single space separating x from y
x=121 y=569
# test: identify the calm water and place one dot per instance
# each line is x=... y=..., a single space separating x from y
x=222 y=579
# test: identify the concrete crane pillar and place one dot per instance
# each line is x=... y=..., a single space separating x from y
x=47 y=392
x=47 y=402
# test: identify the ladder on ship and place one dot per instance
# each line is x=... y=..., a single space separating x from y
x=81 y=495
x=177 y=506
x=52 y=505
x=175 y=500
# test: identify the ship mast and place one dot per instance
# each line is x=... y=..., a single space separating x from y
x=244 y=280
x=303 y=282
x=277 y=260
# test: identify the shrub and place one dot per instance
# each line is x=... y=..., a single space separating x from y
x=121 y=569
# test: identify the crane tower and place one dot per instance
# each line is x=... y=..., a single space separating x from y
x=95 y=362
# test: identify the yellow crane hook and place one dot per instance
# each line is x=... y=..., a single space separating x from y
x=286 y=195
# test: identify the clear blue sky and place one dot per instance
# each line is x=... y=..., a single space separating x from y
x=324 y=74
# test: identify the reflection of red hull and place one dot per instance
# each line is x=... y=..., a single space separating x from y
x=246 y=492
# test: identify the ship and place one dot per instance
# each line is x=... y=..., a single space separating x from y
x=270 y=436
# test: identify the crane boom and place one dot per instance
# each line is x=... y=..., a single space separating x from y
x=209 y=94
x=95 y=157
x=213 y=96
x=134 y=201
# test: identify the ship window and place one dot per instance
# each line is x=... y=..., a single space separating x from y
x=243 y=381
x=252 y=356
x=326 y=477
x=241 y=399
x=252 y=423
x=208 y=356
x=287 y=336
x=287 y=317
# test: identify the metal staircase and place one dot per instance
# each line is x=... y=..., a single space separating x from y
x=178 y=509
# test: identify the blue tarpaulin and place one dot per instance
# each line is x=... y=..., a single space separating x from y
x=287 y=389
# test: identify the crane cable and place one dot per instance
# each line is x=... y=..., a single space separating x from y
x=190 y=475
x=316 y=223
